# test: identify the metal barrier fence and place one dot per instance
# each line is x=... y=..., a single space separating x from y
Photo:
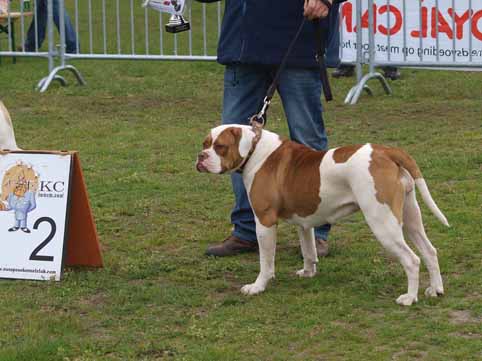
x=403 y=33
x=107 y=29
x=429 y=34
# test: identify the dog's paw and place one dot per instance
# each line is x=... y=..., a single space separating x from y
x=305 y=273
x=434 y=291
x=406 y=300
x=252 y=289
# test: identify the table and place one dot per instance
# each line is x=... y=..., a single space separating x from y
x=5 y=25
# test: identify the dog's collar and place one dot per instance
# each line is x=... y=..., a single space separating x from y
x=257 y=128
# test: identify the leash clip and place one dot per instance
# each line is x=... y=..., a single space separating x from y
x=262 y=112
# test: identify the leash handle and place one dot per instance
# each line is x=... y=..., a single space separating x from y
x=327 y=4
x=325 y=81
x=320 y=39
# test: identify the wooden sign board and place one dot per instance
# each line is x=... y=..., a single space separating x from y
x=45 y=217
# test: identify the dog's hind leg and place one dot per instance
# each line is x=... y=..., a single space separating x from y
x=389 y=233
x=413 y=227
x=387 y=228
x=308 y=249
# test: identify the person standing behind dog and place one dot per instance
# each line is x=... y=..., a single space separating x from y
x=41 y=20
x=255 y=35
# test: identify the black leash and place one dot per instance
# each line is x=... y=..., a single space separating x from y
x=258 y=120
x=320 y=39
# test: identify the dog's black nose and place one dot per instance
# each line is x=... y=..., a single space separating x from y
x=202 y=156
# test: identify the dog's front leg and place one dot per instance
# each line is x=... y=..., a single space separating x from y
x=267 y=247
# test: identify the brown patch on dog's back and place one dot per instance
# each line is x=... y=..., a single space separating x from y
x=402 y=158
x=288 y=183
x=226 y=146
x=342 y=154
x=385 y=169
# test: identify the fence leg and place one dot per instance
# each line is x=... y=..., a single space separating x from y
x=355 y=92
x=45 y=82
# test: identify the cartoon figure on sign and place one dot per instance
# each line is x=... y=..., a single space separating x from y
x=18 y=194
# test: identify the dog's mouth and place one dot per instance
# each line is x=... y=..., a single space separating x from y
x=200 y=167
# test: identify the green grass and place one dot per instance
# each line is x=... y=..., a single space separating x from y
x=159 y=298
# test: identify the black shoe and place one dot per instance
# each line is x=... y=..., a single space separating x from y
x=343 y=70
x=13 y=229
x=391 y=72
x=26 y=230
x=231 y=246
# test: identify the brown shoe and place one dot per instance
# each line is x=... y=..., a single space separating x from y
x=343 y=71
x=391 y=72
x=322 y=249
x=231 y=246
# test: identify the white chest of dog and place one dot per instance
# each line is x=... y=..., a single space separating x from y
x=286 y=180
x=7 y=136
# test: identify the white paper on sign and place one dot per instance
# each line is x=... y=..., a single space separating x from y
x=33 y=213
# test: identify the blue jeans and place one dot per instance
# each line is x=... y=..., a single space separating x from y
x=245 y=87
x=41 y=19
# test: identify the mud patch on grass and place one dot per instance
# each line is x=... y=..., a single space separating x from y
x=411 y=351
x=461 y=317
x=467 y=335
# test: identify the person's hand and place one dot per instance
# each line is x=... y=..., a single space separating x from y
x=2 y=207
x=315 y=9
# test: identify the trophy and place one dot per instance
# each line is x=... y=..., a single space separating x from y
x=176 y=8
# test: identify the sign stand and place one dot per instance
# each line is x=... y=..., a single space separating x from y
x=83 y=247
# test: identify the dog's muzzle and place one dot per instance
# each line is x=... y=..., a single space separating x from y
x=200 y=167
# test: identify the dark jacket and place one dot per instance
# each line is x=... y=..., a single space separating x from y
x=260 y=31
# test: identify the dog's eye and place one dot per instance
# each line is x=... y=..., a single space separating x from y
x=220 y=147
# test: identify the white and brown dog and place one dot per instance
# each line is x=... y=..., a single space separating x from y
x=286 y=180
x=7 y=136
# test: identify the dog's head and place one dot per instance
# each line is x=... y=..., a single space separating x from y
x=225 y=149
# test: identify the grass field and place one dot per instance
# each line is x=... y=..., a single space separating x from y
x=159 y=298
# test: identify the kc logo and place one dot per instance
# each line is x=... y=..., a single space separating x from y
x=51 y=186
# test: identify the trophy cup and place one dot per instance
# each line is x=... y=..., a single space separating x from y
x=176 y=8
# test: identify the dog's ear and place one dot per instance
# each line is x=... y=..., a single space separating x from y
x=246 y=141
x=237 y=134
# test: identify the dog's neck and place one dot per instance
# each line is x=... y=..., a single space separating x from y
x=267 y=144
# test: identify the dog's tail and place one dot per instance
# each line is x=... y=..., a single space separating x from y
x=404 y=160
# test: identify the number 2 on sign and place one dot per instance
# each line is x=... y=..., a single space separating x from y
x=34 y=256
